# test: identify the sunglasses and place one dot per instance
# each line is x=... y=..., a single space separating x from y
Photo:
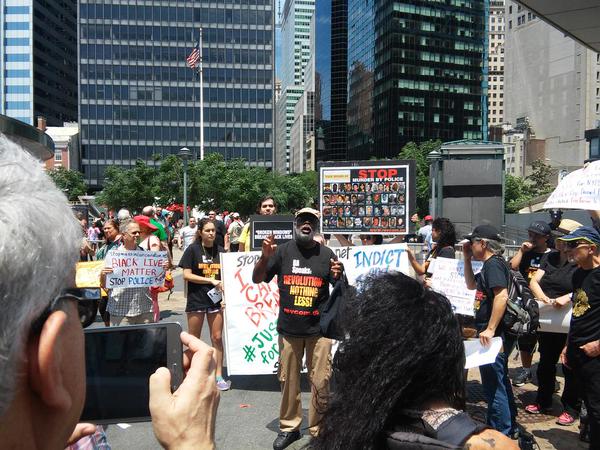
x=87 y=306
x=574 y=244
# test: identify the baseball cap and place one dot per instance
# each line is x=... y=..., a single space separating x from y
x=484 y=232
x=236 y=215
x=566 y=226
x=145 y=221
x=588 y=234
x=310 y=211
x=428 y=217
x=539 y=227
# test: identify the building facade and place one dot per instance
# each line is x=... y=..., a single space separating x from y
x=552 y=84
x=38 y=72
x=429 y=74
x=295 y=54
x=137 y=97
x=66 y=146
x=496 y=64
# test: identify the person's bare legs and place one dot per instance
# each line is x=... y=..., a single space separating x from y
x=215 y=324
x=195 y=322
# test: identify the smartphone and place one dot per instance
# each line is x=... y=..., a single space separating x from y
x=118 y=365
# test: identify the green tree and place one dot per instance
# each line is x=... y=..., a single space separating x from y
x=419 y=152
x=129 y=188
x=516 y=192
x=71 y=182
x=540 y=179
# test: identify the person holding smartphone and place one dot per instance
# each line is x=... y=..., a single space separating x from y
x=202 y=272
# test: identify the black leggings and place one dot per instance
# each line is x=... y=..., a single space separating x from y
x=551 y=345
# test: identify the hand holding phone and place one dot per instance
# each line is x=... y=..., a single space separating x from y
x=186 y=417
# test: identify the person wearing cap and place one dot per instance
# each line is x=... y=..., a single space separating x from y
x=485 y=244
x=131 y=305
x=149 y=241
x=425 y=231
x=304 y=270
x=527 y=261
x=582 y=352
x=234 y=231
x=553 y=284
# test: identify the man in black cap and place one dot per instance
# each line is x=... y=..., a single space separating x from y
x=582 y=353
x=527 y=261
x=484 y=244
x=304 y=270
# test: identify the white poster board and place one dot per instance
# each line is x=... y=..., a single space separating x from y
x=477 y=355
x=251 y=339
x=135 y=268
x=369 y=260
x=578 y=190
x=555 y=320
x=449 y=279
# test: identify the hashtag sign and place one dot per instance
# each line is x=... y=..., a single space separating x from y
x=249 y=353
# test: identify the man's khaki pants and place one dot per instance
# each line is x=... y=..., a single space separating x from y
x=318 y=361
x=116 y=321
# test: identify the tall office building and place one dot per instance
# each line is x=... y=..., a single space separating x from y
x=38 y=72
x=552 y=91
x=416 y=71
x=138 y=98
x=295 y=54
x=496 y=65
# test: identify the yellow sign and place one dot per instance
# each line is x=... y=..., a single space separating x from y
x=88 y=274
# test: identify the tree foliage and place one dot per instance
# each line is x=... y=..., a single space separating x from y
x=518 y=191
x=212 y=184
x=419 y=153
x=71 y=182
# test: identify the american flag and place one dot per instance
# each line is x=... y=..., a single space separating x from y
x=194 y=58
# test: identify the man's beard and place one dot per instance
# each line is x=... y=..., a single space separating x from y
x=304 y=240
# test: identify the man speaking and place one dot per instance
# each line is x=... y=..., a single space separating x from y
x=304 y=270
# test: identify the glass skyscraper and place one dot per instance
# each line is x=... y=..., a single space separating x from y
x=38 y=72
x=138 y=98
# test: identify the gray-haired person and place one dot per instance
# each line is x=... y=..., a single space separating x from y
x=42 y=371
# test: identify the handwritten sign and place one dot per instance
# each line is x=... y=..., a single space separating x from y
x=555 y=320
x=251 y=337
x=578 y=190
x=136 y=268
x=87 y=274
x=449 y=279
x=370 y=260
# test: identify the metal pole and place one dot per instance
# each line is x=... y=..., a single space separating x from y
x=200 y=72
x=185 y=206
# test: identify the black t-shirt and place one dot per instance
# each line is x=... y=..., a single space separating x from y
x=303 y=277
x=585 y=320
x=494 y=274
x=558 y=278
x=530 y=263
x=220 y=233
x=204 y=262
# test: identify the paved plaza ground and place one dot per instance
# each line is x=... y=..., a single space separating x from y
x=248 y=413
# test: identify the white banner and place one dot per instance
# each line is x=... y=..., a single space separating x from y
x=578 y=190
x=251 y=339
x=135 y=268
x=449 y=279
x=555 y=320
x=368 y=260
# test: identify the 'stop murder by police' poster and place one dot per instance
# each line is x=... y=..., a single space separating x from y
x=367 y=198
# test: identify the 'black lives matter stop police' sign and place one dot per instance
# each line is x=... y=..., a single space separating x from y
x=282 y=227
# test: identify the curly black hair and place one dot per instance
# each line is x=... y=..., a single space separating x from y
x=447 y=232
x=403 y=349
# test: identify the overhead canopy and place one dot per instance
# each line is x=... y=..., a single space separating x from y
x=579 y=19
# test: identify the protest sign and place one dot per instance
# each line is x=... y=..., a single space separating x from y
x=87 y=274
x=368 y=260
x=282 y=227
x=367 y=197
x=449 y=279
x=477 y=355
x=555 y=320
x=578 y=190
x=135 y=268
x=251 y=338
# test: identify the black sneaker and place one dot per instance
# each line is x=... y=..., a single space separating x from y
x=285 y=438
x=522 y=378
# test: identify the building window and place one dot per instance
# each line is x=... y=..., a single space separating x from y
x=57 y=155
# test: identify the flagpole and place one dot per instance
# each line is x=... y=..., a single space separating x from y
x=200 y=72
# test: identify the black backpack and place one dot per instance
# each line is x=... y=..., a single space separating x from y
x=522 y=314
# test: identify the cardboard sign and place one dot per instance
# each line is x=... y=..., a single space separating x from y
x=251 y=338
x=367 y=198
x=264 y=226
x=87 y=274
x=449 y=279
x=578 y=190
x=135 y=268
x=555 y=320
